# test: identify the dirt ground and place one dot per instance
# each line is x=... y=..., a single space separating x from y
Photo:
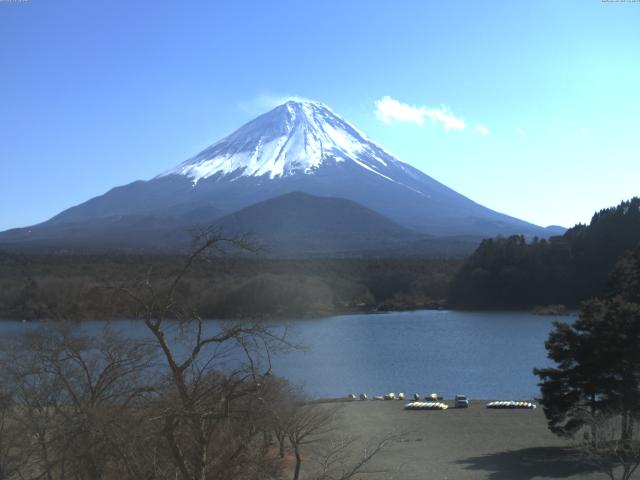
x=461 y=444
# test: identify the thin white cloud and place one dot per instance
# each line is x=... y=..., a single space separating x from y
x=520 y=131
x=389 y=110
x=266 y=101
x=484 y=131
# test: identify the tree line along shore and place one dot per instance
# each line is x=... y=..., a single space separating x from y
x=503 y=273
x=38 y=286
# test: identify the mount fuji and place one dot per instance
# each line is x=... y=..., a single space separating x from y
x=300 y=146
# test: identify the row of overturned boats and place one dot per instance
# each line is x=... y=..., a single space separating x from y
x=435 y=402
x=500 y=404
x=392 y=396
x=510 y=404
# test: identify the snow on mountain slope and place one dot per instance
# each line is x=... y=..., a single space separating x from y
x=297 y=137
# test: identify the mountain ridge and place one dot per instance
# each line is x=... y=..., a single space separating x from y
x=293 y=225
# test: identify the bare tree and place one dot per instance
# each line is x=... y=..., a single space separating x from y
x=279 y=398
x=216 y=375
x=74 y=396
x=612 y=445
x=336 y=461
x=12 y=439
x=306 y=424
x=309 y=429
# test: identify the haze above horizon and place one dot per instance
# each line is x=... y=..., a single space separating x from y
x=528 y=109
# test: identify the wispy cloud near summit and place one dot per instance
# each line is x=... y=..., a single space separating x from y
x=266 y=101
x=390 y=110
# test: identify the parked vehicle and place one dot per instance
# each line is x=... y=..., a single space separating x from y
x=461 y=401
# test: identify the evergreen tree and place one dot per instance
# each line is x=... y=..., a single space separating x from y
x=625 y=279
x=597 y=372
x=598 y=368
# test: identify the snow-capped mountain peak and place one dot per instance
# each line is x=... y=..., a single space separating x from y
x=299 y=147
x=297 y=137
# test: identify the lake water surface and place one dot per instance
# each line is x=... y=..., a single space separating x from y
x=485 y=355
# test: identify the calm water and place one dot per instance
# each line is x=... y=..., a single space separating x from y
x=485 y=355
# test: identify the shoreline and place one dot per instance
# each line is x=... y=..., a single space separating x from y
x=314 y=315
x=464 y=444
x=309 y=315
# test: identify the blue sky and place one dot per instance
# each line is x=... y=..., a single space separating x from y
x=530 y=108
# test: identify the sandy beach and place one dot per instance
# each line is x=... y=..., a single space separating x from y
x=461 y=444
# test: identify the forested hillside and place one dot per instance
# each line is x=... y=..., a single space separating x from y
x=86 y=286
x=513 y=273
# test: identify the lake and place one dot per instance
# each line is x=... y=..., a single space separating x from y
x=485 y=355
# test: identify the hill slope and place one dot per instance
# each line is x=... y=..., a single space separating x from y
x=514 y=273
x=299 y=221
